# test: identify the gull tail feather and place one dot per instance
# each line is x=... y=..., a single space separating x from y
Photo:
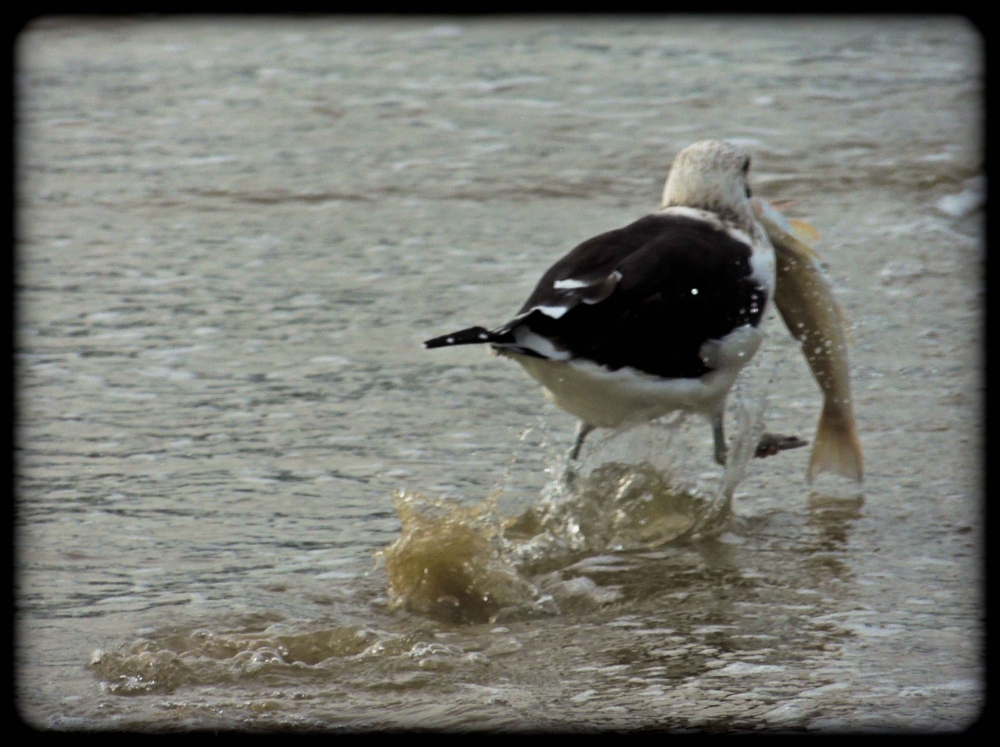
x=470 y=336
x=836 y=447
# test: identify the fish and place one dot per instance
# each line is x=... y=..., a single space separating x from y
x=807 y=306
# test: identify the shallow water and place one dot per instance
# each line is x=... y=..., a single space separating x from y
x=233 y=237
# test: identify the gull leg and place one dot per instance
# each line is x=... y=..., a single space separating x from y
x=582 y=429
x=720 y=440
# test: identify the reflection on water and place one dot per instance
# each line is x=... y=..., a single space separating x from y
x=833 y=516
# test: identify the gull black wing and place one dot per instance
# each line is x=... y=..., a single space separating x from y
x=590 y=270
x=688 y=282
x=585 y=275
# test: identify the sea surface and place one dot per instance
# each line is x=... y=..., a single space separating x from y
x=247 y=498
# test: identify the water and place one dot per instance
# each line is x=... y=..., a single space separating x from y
x=234 y=236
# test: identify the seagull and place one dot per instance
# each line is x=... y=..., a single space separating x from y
x=656 y=317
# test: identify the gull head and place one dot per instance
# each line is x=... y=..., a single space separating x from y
x=711 y=175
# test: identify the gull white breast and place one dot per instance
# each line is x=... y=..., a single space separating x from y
x=658 y=316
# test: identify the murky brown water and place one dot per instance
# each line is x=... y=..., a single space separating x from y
x=234 y=236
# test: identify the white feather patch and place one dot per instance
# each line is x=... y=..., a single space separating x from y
x=696 y=213
x=733 y=351
x=553 y=311
x=570 y=284
x=542 y=345
x=762 y=269
x=739 y=234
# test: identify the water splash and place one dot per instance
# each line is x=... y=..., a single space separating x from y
x=634 y=490
x=165 y=660
x=451 y=562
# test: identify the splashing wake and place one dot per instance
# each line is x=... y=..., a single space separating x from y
x=644 y=487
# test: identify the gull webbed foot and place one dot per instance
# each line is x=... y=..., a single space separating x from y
x=771 y=443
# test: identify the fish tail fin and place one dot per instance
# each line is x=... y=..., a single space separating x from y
x=470 y=336
x=836 y=448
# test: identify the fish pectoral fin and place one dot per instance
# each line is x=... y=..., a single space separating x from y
x=803 y=230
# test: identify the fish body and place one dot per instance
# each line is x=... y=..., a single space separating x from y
x=809 y=309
